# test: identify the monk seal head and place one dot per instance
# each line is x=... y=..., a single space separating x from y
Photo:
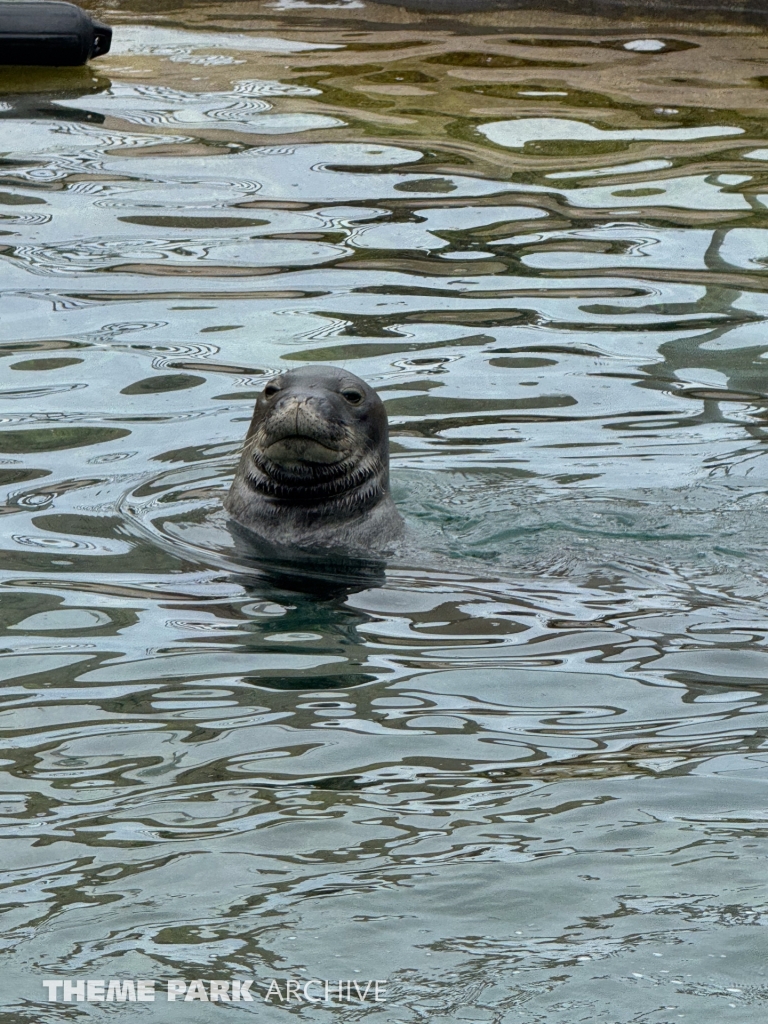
x=314 y=471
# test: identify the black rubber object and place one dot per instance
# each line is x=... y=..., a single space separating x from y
x=48 y=33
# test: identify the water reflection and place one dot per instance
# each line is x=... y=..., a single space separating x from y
x=518 y=769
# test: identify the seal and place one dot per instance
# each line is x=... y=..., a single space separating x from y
x=314 y=471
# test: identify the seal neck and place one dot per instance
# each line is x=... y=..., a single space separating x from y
x=315 y=491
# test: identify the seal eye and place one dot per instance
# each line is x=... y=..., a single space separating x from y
x=352 y=395
x=271 y=390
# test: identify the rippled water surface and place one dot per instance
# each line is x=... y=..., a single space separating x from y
x=522 y=773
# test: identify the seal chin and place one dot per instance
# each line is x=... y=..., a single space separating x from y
x=300 y=450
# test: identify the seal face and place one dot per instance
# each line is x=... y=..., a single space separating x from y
x=314 y=472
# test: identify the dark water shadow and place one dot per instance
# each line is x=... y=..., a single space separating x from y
x=314 y=588
x=323 y=576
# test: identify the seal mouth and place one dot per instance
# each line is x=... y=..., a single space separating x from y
x=301 y=448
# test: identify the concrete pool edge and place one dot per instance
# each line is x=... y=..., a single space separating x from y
x=688 y=11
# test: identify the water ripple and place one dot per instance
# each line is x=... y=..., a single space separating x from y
x=520 y=768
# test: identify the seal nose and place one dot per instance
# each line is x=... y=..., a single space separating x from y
x=301 y=407
x=303 y=413
x=303 y=400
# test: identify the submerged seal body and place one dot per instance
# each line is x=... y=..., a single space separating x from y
x=314 y=472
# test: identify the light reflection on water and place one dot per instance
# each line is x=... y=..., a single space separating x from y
x=520 y=771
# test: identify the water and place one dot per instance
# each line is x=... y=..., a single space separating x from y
x=521 y=774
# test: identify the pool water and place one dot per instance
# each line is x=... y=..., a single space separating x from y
x=520 y=772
